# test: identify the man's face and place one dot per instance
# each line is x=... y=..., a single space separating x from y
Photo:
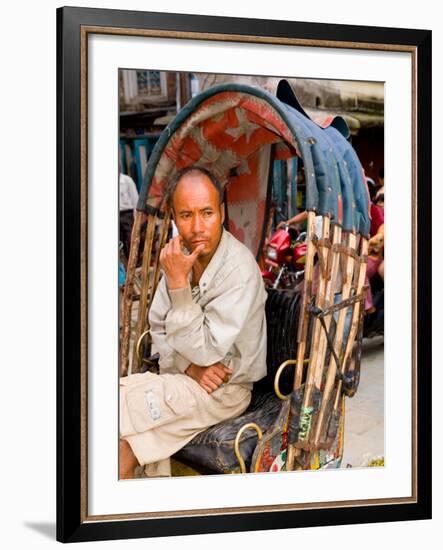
x=198 y=214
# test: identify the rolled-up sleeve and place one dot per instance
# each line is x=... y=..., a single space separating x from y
x=205 y=337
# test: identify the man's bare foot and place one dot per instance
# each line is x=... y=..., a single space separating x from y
x=128 y=462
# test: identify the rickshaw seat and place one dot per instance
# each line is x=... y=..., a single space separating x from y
x=212 y=451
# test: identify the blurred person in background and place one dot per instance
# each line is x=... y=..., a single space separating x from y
x=127 y=204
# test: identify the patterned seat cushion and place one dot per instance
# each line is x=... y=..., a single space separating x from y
x=213 y=449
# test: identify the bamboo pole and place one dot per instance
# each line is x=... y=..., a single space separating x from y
x=307 y=408
x=162 y=241
x=128 y=292
x=303 y=323
x=331 y=287
x=261 y=261
x=338 y=341
x=142 y=320
x=307 y=293
x=331 y=278
x=357 y=311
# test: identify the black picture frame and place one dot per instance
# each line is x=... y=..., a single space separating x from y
x=73 y=523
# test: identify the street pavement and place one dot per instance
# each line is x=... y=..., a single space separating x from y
x=364 y=417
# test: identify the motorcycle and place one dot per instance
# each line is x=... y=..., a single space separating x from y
x=284 y=257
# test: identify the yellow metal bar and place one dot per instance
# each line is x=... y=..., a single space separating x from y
x=237 y=443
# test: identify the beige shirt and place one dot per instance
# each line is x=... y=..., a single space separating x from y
x=221 y=319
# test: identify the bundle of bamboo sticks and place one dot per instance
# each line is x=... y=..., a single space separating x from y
x=335 y=311
x=134 y=345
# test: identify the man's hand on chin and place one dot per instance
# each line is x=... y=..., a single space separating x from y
x=176 y=264
x=210 y=378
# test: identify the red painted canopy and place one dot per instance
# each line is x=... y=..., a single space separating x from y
x=236 y=131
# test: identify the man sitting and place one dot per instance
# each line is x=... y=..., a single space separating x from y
x=207 y=323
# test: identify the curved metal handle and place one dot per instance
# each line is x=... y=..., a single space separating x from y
x=280 y=369
x=139 y=343
x=237 y=443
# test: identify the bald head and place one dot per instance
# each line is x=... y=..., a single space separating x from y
x=193 y=172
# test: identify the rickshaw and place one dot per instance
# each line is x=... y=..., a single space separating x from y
x=295 y=420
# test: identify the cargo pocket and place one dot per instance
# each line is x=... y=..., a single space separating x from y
x=158 y=401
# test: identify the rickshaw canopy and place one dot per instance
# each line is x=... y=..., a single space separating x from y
x=236 y=131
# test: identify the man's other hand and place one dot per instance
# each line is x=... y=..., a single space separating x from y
x=176 y=264
x=210 y=378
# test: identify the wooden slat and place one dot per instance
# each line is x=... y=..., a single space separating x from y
x=128 y=292
x=303 y=323
x=355 y=316
x=348 y=264
x=142 y=321
x=306 y=409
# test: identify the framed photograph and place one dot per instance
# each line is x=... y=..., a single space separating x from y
x=127 y=83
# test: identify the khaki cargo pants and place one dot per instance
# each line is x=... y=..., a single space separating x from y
x=159 y=414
